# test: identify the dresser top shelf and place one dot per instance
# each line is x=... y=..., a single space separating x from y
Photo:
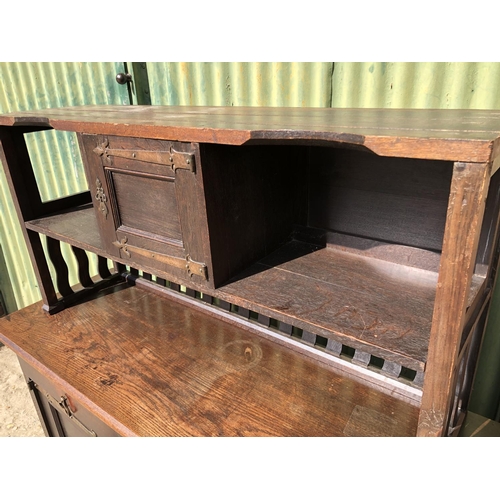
x=452 y=135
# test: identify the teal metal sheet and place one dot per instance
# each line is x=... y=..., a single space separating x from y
x=240 y=84
x=416 y=85
x=55 y=155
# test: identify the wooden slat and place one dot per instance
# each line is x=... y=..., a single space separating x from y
x=102 y=264
x=285 y=328
x=334 y=347
x=308 y=337
x=60 y=266
x=361 y=358
x=263 y=319
x=83 y=267
x=201 y=375
x=391 y=369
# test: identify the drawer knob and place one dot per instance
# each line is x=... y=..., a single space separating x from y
x=123 y=78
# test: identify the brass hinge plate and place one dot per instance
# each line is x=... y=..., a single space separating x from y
x=192 y=267
x=172 y=158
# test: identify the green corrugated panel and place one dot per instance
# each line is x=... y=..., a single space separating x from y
x=416 y=85
x=241 y=84
x=55 y=155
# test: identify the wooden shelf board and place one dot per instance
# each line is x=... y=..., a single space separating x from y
x=154 y=367
x=76 y=226
x=377 y=306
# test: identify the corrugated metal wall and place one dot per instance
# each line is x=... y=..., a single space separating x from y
x=55 y=155
x=241 y=84
x=417 y=85
x=368 y=85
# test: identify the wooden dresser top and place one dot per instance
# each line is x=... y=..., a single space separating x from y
x=147 y=366
x=453 y=135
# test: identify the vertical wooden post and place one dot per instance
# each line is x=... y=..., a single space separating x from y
x=21 y=179
x=469 y=187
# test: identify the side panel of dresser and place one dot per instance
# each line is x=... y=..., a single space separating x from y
x=28 y=204
x=469 y=188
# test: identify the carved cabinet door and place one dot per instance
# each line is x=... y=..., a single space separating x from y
x=148 y=197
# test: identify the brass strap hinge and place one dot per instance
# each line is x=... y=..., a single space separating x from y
x=192 y=267
x=172 y=158
x=62 y=404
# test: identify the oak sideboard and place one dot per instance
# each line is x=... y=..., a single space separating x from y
x=260 y=271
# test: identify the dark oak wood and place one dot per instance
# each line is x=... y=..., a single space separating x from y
x=454 y=135
x=467 y=201
x=62 y=272
x=410 y=197
x=21 y=179
x=156 y=368
x=83 y=267
x=281 y=223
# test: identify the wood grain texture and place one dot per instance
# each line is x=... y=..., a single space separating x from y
x=365 y=289
x=454 y=135
x=254 y=196
x=393 y=200
x=77 y=227
x=147 y=204
x=370 y=304
x=151 y=367
x=466 y=208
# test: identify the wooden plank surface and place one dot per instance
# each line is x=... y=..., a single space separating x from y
x=366 y=301
x=370 y=304
x=455 y=135
x=152 y=367
x=357 y=304
x=77 y=227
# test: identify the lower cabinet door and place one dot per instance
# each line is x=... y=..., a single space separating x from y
x=60 y=415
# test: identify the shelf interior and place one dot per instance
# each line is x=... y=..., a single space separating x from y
x=380 y=307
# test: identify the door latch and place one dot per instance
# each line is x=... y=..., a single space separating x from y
x=63 y=405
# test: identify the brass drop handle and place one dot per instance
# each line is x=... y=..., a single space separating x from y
x=123 y=78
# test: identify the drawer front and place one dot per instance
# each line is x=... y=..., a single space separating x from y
x=148 y=197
